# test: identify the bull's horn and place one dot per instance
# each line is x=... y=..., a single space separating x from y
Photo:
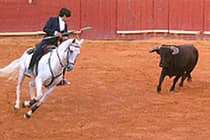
x=157 y=48
x=175 y=50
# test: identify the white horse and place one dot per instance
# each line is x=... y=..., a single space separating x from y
x=49 y=72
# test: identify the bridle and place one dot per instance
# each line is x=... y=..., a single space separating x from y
x=69 y=50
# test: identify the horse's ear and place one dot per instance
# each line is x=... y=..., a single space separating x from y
x=74 y=40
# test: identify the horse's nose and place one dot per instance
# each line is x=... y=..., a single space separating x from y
x=70 y=67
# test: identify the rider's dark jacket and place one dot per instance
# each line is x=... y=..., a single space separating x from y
x=51 y=26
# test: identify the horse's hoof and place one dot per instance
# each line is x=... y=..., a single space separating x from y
x=27 y=116
x=15 y=109
x=26 y=104
x=23 y=104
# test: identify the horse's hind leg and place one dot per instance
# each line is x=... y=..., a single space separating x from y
x=18 y=91
x=31 y=88
x=32 y=95
x=36 y=106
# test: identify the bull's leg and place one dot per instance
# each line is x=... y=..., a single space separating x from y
x=18 y=91
x=36 y=106
x=174 y=83
x=184 y=76
x=162 y=76
x=189 y=77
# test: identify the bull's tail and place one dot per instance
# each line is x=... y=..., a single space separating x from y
x=11 y=69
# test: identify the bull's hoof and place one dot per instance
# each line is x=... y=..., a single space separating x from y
x=15 y=109
x=158 y=89
x=181 y=84
x=27 y=116
x=189 y=79
x=171 y=91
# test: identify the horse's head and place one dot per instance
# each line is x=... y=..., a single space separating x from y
x=73 y=52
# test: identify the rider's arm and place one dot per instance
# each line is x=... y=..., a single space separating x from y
x=49 y=27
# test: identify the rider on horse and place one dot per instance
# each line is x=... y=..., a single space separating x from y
x=54 y=26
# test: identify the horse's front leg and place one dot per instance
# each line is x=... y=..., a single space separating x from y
x=18 y=91
x=37 y=105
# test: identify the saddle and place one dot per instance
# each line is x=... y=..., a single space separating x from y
x=46 y=49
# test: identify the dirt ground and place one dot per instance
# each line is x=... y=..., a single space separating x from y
x=112 y=96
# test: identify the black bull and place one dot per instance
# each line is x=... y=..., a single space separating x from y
x=178 y=61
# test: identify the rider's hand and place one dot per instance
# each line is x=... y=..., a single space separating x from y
x=78 y=32
x=59 y=34
x=64 y=38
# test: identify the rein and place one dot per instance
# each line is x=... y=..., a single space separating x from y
x=62 y=65
x=53 y=76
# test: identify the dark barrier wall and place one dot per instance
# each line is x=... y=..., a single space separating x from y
x=111 y=19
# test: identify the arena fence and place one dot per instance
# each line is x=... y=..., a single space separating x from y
x=111 y=19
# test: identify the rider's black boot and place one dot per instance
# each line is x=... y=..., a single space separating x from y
x=29 y=72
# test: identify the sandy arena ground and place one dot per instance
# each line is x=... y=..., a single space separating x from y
x=112 y=96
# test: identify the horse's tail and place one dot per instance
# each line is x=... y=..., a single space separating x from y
x=10 y=69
